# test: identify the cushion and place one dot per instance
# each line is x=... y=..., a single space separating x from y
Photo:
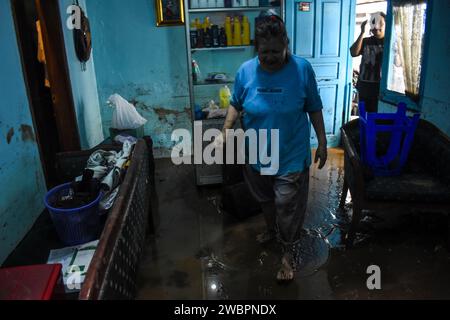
x=413 y=187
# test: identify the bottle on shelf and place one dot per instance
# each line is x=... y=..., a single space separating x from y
x=207 y=23
x=224 y=96
x=222 y=38
x=237 y=35
x=208 y=38
x=195 y=72
x=220 y=4
x=236 y=3
x=229 y=31
x=228 y=3
x=245 y=31
x=211 y=3
x=244 y=3
x=253 y=3
x=203 y=4
x=215 y=36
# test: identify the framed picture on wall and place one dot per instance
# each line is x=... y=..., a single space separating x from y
x=169 y=12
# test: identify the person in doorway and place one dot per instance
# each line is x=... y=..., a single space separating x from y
x=371 y=50
x=278 y=90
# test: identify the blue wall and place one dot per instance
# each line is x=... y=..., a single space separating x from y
x=144 y=64
x=84 y=86
x=22 y=185
x=436 y=101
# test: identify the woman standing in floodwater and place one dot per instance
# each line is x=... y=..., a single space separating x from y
x=277 y=91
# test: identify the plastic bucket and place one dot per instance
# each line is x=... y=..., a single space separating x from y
x=74 y=226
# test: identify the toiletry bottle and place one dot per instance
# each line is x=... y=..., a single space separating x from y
x=195 y=72
x=206 y=23
x=222 y=37
x=208 y=38
x=215 y=36
x=229 y=31
x=245 y=31
x=225 y=96
x=237 y=36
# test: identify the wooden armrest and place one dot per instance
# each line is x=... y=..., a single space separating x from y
x=355 y=163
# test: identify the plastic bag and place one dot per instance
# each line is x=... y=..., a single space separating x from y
x=125 y=114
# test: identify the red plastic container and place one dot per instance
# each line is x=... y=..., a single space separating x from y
x=36 y=282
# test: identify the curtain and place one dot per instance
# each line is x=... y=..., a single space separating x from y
x=410 y=23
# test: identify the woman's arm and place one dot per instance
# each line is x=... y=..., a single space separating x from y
x=230 y=120
x=319 y=128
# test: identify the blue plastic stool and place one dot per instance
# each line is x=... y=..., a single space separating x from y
x=402 y=131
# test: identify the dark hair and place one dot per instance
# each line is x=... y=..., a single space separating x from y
x=270 y=25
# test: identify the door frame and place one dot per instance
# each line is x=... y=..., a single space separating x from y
x=63 y=108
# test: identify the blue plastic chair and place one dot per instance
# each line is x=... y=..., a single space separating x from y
x=402 y=129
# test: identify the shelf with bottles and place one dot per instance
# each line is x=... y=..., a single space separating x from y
x=229 y=5
x=220 y=32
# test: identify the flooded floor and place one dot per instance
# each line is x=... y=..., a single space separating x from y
x=202 y=252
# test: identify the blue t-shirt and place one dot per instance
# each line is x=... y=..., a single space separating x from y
x=280 y=100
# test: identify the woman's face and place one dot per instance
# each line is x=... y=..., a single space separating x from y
x=272 y=54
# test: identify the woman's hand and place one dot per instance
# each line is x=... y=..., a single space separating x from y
x=322 y=155
x=219 y=140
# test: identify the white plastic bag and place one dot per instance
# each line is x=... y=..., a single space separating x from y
x=125 y=114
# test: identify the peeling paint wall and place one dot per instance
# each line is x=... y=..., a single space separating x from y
x=144 y=64
x=22 y=186
x=84 y=85
x=436 y=102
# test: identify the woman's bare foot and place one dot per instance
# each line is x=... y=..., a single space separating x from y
x=286 y=272
x=265 y=237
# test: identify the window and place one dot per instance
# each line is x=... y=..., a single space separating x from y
x=405 y=33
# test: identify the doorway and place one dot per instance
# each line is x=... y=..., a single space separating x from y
x=41 y=44
x=364 y=8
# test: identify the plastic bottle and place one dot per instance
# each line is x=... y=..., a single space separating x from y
x=215 y=36
x=203 y=3
x=229 y=31
x=245 y=31
x=253 y=3
x=222 y=37
x=237 y=36
x=211 y=3
x=220 y=3
x=206 y=24
x=236 y=3
x=225 y=96
x=195 y=72
x=244 y=3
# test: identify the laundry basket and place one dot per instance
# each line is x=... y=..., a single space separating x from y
x=74 y=226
